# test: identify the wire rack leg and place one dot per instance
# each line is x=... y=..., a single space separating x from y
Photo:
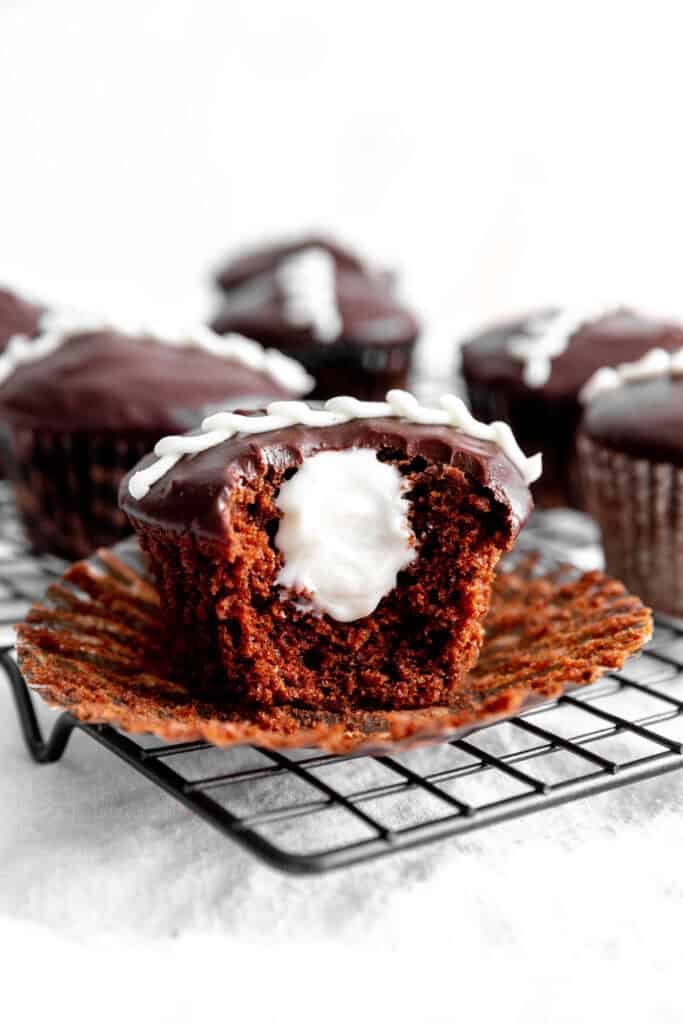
x=44 y=751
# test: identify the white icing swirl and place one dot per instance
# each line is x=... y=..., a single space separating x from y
x=57 y=327
x=398 y=405
x=655 y=363
x=309 y=282
x=546 y=337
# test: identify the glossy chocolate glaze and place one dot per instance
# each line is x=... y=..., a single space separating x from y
x=643 y=419
x=619 y=337
x=192 y=496
x=370 y=313
x=267 y=257
x=17 y=316
x=107 y=381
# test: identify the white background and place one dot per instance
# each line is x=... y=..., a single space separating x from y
x=501 y=154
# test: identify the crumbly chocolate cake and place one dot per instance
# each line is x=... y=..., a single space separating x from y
x=631 y=458
x=330 y=558
x=80 y=408
x=319 y=302
x=529 y=372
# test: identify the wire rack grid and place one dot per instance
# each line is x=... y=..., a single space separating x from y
x=307 y=812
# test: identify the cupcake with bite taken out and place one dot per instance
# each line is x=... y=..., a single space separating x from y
x=318 y=302
x=81 y=404
x=338 y=557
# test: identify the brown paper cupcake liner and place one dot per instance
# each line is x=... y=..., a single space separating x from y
x=639 y=506
x=96 y=647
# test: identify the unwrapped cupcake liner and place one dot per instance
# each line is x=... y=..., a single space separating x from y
x=66 y=486
x=639 y=506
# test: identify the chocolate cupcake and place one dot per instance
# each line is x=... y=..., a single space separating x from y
x=80 y=407
x=330 y=558
x=631 y=457
x=18 y=316
x=529 y=372
x=321 y=304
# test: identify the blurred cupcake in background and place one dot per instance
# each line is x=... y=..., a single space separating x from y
x=317 y=301
x=18 y=316
x=529 y=372
x=631 y=458
x=81 y=404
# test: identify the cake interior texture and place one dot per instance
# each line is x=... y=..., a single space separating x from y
x=235 y=635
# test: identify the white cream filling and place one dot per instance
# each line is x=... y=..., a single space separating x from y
x=655 y=363
x=57 y=327
x=546 y=337
x=399 y=404
x=344 y=533
x=309 y=282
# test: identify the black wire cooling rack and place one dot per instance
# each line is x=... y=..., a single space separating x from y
x=307 y=812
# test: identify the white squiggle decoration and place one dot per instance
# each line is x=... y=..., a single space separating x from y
x=546 y=338
x=59 y=326
x=655 y=363
x=398 y=405
x=309 y=282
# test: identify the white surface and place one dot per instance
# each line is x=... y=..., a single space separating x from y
x=537 y=919
x=504 y=155
x=344 y=533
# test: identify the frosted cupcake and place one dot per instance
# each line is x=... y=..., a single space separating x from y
x=80 y=405
x=318 y=302
x=18 y=316
x=337 y=557
x=631 y=457
x=529 y=372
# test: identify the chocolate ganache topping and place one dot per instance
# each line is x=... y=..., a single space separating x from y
x=264 y=258
x=311 y=291
x=498 y=355
x=637 y=408
x=191 y=493
x=17 y=316
x=110 y=380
